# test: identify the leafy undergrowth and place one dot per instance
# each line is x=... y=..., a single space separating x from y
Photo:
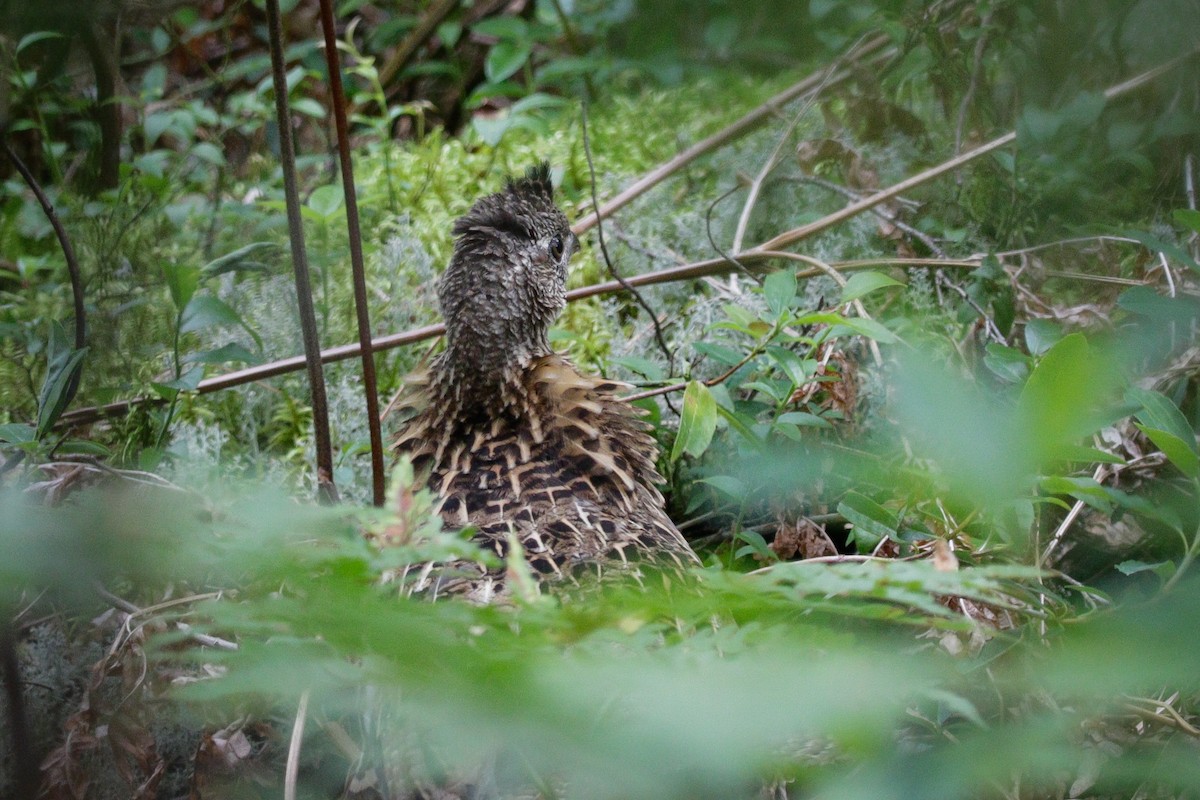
x=940 y=463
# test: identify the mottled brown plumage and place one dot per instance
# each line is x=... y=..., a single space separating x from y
x=512 y=438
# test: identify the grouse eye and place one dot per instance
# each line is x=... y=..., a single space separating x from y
x=556 y=247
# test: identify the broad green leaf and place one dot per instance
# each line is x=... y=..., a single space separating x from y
x=206 y=311
x=1188 y=217
x=503 y=27
x=869 y=328
x=863 y=283
x=63 y=364
x=31 y=39
x=17 y=433
x=868 y=517
x=1180 y=453
x=779 y=289
x=223 y=355
x=728 y=484
x=1167 y=248
x=697 y=422
x=187 y=382
x=642 y=366
x=743 y=424
x=798 y=370
x=536 y=102
x=83 y=447
x=719 y=352
x=240 y=260
x=1160 y=413
x=1163 y=569
x=1065 y=396
x=326 y=201
x=804 y=419
x=1006 y=362
x=1041 y=335
x=182 y=280
x=505 y=58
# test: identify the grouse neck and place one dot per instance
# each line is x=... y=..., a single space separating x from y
x=481 y=373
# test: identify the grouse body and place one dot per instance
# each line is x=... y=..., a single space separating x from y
x=510 y=437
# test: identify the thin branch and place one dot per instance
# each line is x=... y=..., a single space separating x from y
x=405 y=51
x=805 y=231
x=362 y=312
x=73 y=270
x=612 y=270
x=976 y=74
x=326 y=489
x=742 y=126
x=773 y=160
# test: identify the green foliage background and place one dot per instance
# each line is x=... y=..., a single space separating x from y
x=1013 y=485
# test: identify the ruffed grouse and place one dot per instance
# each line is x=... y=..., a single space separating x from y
x=512 y=438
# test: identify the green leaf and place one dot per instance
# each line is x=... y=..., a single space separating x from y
x=223 y=355
x=697 y=422
x=779 y=289
x=863 y=283
x=719 y=352
x=62 y=365
x=642 y=366
x=18 y=433
x=731 y=486
x=1041 y=335
x=1180 y=453
x=1065 y=396
x=83 y=447
x=1188 y=217
x=868 y=517
x=31 y=39
x=206 y=311
x=1166 y=248
x=1006 y=362
x=187 y=382
x=182 y=280
x=240 y=260
x=502 y=27
x=805 y=419
x=797 y=370
x=1160 y=413
x=326 y=201
x=867 y=327
x=505 y=58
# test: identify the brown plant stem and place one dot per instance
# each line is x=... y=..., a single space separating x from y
x=356 y=254
x=73 y=270
x=326 y=490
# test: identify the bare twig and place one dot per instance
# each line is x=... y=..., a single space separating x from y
x=354 y=234
x=976 y=74
x=404 y=52
x=326 y=489
x=612 y=270
x=773 y=160
x=869 y=50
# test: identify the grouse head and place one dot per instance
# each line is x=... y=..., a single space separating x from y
x=506 y=282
